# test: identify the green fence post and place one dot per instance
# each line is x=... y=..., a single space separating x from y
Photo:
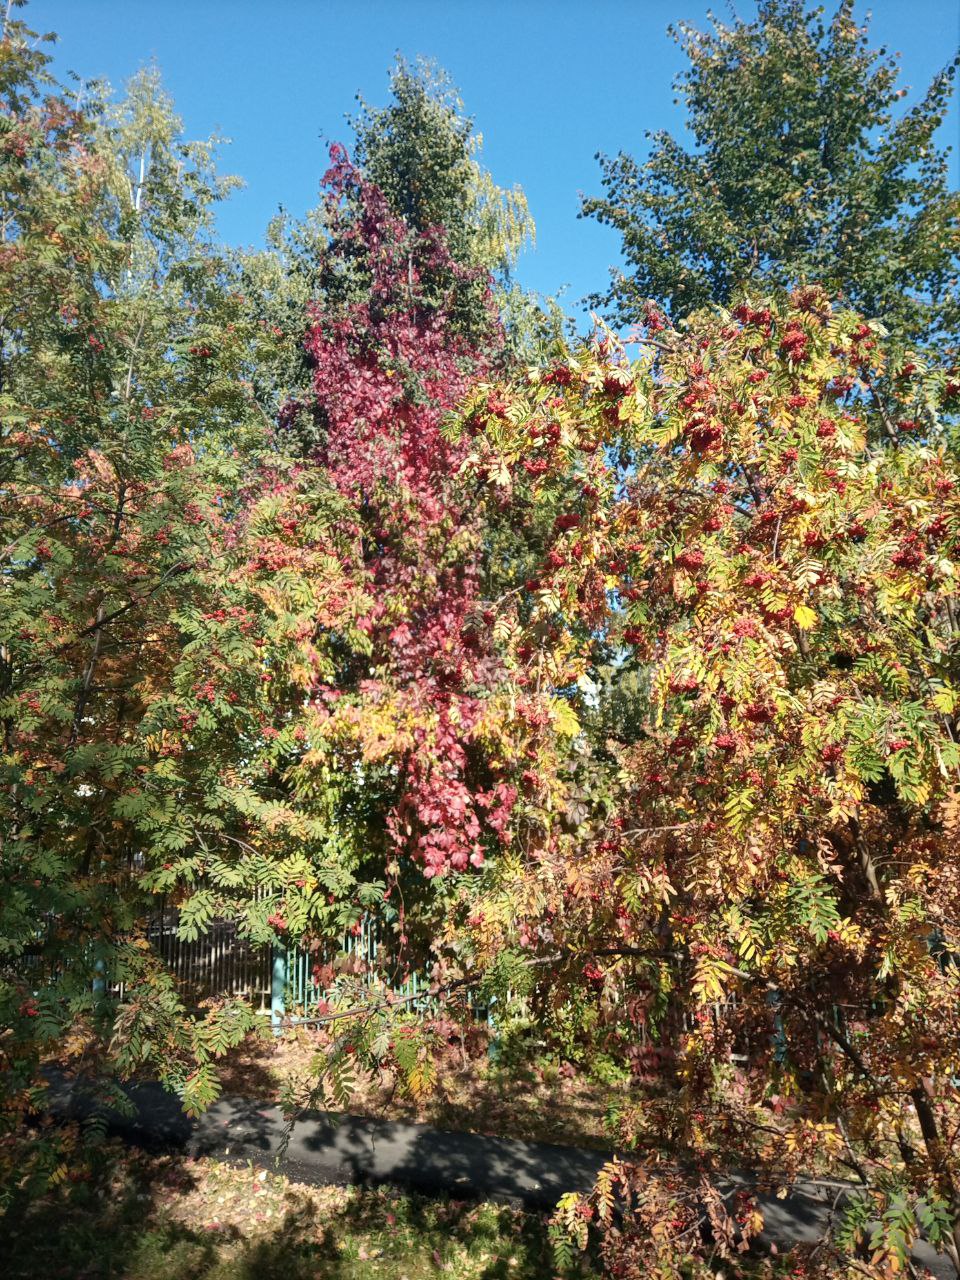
x=278 y=989
x=493 y=1046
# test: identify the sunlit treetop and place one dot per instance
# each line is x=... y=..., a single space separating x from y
x=806 y=167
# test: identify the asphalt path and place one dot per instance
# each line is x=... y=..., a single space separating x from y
x=323 y=1147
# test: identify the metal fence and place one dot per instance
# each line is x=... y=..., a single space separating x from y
x=219 y=962
x=282 y=981
x=277 y=980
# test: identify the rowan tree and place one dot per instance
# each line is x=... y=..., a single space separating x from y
x=126 y=420
x=179 y=583
x=751 y=905
x=625 y=691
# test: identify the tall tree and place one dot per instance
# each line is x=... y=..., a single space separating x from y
x=804 y=169
x=422 y=153
x=746 y=896
x=127 y=415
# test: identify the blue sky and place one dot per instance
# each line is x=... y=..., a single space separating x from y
x=548 y=82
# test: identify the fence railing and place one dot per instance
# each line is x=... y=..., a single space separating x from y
x=219 y=962
x=281 y=981
x=277 y=980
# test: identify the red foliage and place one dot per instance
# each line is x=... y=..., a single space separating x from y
x=387 y=368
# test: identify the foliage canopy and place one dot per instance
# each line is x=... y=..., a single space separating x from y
x=804 y=168
x=622 y=690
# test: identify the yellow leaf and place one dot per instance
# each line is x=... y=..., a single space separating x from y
x=945 y=700
x=564 y=718
x=804 y=617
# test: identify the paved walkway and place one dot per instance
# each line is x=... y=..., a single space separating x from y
x=324 y=1148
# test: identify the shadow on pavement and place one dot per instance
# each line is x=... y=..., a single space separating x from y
x=320 y=1148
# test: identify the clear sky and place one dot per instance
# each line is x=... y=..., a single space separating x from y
x=548 y=82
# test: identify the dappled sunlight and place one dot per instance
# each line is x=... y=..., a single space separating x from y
x=149 y=1218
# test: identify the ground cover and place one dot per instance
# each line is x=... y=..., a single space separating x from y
x=129 y=1216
